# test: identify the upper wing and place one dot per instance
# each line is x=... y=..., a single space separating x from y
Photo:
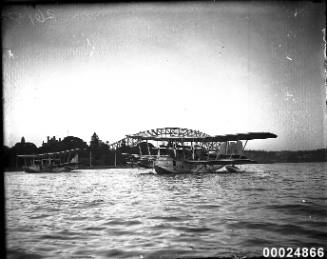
x=217 y=138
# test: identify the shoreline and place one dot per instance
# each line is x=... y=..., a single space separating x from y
x=135 y=167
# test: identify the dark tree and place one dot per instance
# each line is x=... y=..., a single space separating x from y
x=99 y=150
x=73 y=142
x=95 y=141
x=25 y=148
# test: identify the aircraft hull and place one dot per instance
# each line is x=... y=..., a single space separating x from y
x=171 y=166
x=233 y=169
x=37 y=169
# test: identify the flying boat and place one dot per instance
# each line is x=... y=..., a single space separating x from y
x=199 y=154
x=54 y=162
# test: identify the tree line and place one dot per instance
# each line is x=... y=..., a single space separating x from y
x=318 y=155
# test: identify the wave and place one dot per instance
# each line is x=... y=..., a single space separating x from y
x=303 y=208
x=15 y=254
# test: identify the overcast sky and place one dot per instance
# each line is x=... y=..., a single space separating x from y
x=119 y=69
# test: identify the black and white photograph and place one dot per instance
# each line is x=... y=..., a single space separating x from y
x=183 y=129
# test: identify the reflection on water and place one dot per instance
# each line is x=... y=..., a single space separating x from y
x=135 y=213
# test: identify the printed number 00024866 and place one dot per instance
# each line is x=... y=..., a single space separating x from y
x=289 y=252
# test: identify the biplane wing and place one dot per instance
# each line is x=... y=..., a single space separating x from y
x=130 y=155
x=49 y=154
x=217 y=138
x=222 y=161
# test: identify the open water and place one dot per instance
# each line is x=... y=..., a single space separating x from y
x=132 y=213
